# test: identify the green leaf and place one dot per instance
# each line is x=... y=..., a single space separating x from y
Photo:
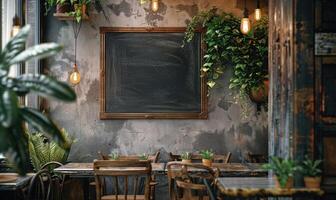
x=9 y=108
x=37 y=52
x=18 y=149
x=46 y=86
x=43 y=124
x=13 y=48
x=211 y=84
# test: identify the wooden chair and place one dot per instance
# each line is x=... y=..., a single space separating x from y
x=122 y=168
x=256 y=158
x=183 y=184
x=153 y=158
x=40 y=186
x=197 y=158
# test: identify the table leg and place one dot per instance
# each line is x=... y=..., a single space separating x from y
x=86 y=186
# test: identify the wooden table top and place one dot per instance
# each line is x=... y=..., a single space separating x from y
x=226 y=169
x=259 y=186
x=86 y=169
x=14 y=181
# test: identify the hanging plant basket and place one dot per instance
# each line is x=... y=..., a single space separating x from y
x=260 y=94
x=63 y=8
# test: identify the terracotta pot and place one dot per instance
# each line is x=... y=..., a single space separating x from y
x=312 y=182
x=289 y=183
x=81 y=6
x=207 y=162
x=63 y=8
x=186 y=161
x=260 y=94
x=84 y=9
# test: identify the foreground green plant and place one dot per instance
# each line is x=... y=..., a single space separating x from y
x=42 y=150
x=13 y=116
x=226 y=45
x=282 y=168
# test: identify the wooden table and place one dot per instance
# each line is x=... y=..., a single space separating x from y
x=86 y=169
x=237 y=169
x=226 y=169
x=252 y=187
x=11 y=189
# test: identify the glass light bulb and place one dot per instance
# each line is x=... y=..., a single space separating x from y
x=15 y=30
x=257 y=14
x=245 y=25
x=155 y=5
x=75 y=76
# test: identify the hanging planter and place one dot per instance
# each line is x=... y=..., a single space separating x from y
x=260 y=94
x=63 y=7
x=227 y=46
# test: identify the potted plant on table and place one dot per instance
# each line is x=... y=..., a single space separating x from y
x=186 y=157
x=284 y=170
x=312 y=173
x=114 y=156
x=143 y=157
x=207 y=156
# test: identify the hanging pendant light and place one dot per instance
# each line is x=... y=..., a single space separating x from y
x=16 y=26
x=245 y=25
x=155 y=5
x=75 y=75
x=257 y=12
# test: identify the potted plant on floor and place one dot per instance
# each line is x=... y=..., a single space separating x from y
x=207 y=156
x=186 y=157
x=312 y=173
x=284 y=170
x=42 y=150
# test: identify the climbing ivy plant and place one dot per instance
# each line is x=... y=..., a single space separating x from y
x=227 y=46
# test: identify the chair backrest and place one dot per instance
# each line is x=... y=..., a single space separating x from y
x=57 y=180
x=198 y=158
x=182 y=180
x=126 y=169
x=39 y=186
x=256 y=158
x=153 y=158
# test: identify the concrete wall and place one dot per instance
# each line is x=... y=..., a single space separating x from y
x=225 y=130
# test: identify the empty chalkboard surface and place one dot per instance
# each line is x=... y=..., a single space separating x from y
x=146 y=74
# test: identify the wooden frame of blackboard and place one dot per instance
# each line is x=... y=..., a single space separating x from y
x=203 y=114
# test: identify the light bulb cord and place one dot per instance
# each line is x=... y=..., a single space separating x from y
x=76 y=29
x=245 y=10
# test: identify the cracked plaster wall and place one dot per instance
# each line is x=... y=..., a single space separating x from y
x=224 y=131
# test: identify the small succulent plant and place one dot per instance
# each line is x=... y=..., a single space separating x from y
x=143 y=157
x=114 y=155
x=311 y=168
x=207 y=154
x=186 y=156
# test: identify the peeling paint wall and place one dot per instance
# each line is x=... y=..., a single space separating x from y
x=225 y=130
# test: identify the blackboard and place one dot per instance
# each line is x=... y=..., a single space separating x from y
x=145 y=73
